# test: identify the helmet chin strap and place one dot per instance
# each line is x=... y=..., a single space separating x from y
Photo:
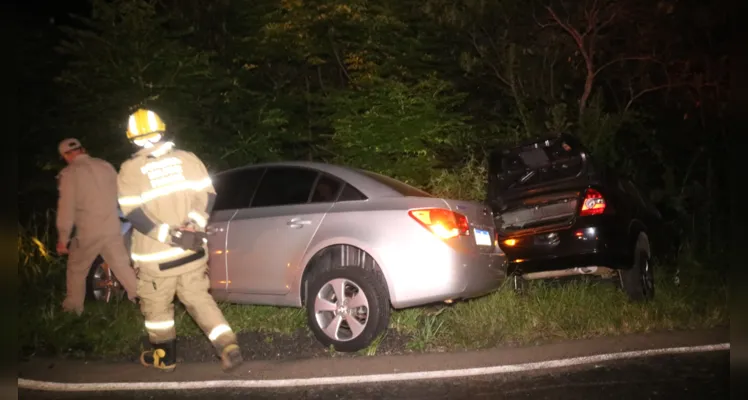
x=148 y=143
x=156 y=145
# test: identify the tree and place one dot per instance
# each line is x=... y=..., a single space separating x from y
x=243 y=81
x=131 y=54
x=397 y=129
x=401 y=87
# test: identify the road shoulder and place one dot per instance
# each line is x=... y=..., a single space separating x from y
x=78 y=371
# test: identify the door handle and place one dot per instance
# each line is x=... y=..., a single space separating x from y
x=212 y=231
x=298 y=223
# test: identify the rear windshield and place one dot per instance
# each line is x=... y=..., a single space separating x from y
x=400 y=187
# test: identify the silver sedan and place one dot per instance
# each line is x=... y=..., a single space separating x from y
x=346 y=244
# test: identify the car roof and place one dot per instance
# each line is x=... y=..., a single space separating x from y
x=370 y=187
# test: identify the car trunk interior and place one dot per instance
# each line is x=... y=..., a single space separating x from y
x=537 y=184
x=539 y=211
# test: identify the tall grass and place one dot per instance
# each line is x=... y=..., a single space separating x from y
x=105 y=329
x=37 y=259
x=467 y=181
x=581 y=309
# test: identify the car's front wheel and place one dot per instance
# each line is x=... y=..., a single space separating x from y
x=347 y=306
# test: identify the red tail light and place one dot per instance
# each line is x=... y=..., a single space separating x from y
x=593 y=203
x=445 y=224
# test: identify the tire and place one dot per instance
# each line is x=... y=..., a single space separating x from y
x=356 y=280
x=101 y=284
x=638 y=281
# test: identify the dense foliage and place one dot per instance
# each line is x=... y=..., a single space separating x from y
x=417 y=89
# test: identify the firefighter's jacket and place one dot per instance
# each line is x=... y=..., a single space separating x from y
x=87 y=199
x=162 y=188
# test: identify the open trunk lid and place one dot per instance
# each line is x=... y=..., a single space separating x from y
x=538 y=183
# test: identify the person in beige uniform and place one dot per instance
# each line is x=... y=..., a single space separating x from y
x=88 y=202
x=167 y=195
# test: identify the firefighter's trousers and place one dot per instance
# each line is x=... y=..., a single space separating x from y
x=82 y=253
x=157 y=304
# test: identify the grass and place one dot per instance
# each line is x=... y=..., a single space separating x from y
x=544 y=312
x=579 y=310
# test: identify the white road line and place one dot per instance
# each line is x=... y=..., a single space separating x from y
x=357 y=379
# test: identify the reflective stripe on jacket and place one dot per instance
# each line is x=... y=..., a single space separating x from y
x=162 y=188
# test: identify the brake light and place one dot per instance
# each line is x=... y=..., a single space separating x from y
x=593 y=203
x=445 y=224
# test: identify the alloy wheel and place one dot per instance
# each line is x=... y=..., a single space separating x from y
x=341 y=309
x=104 y=285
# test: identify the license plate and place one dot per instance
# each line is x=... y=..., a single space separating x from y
x=482 y=237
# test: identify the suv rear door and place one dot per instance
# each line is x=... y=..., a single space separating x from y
x=268 y=239
x=538 y=184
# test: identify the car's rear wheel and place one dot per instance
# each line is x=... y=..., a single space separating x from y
x=638 y=281
x=347 y=306
x=101 y=284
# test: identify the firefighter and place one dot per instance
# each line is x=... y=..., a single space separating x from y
x=167 y=195
x=88 y=201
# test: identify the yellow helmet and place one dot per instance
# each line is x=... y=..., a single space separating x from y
x=144 y=125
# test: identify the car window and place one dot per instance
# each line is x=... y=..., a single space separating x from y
x=234 y=189
x=281 y=186
x=400 y=187
x=326 y=190
x=350 y=193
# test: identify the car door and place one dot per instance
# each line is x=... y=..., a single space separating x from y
x=269 y=239
x=234 y=190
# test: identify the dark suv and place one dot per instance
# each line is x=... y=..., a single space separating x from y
x=558 y=214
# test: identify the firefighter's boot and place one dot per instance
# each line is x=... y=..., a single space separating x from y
x=231 y=357
x=163 y=356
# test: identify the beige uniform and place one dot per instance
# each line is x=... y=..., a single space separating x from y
x=88 y=201
x=162 y=188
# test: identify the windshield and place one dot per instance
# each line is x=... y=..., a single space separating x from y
x=400 y=187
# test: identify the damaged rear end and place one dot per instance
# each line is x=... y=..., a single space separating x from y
x=538 y=212
x=549 y=209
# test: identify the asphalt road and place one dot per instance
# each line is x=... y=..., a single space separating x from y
x=685 y=376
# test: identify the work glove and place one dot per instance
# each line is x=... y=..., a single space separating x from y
x=188 y=239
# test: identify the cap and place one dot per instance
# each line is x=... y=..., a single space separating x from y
x=69 y=144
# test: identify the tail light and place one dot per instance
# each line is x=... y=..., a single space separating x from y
x=445 y=224
x=593 y=203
